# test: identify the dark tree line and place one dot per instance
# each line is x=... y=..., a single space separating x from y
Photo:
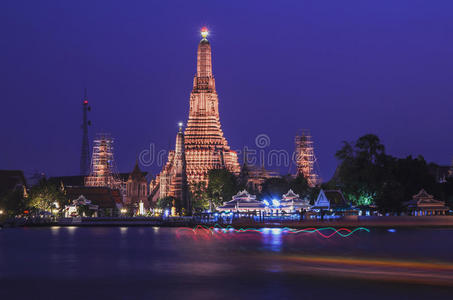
x=368 y=175
x=44 y=196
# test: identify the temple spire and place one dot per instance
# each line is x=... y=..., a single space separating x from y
x=179 y=148
x=204 y=62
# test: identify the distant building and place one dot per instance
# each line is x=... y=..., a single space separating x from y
x=68 y=181
x=172 y=181
x=109 y=201
x=254 y=177
x=131 y=185
x=306 y=159
x=440 y=173
x=73 y=209
x=136 y=188
x=103 y=172
x=424 y=204
x=12 y=180
x=291 y=203
x=330 y=200
x=243 y=202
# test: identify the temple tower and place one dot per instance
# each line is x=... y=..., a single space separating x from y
x=205 y=146
x=103 y=172
x=173 y=178
x=136 y=187
x=305 y=158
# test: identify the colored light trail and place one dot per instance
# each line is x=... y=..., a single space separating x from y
x=325 y=232
x=393 y=270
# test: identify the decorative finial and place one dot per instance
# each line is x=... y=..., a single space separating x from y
x=204 y=32
x=180 y=126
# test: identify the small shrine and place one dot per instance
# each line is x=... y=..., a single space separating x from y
x=424 y=204
x=81 y=207
x=330 y=200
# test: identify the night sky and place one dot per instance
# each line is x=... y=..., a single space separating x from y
x=339 y=68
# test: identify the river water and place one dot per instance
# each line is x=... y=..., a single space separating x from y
x=181 y=263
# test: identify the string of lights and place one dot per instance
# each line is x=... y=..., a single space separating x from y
x=218 y=229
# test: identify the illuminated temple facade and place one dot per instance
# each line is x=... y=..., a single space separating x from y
x=173 y=179
x=206 y=147
x=202 y=146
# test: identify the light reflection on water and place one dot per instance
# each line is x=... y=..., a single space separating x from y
x=55 y=230
x=249 y=261
x=71 y=229
x=272 y=239
x=123 y=230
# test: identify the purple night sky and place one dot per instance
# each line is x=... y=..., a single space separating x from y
x=340 y=68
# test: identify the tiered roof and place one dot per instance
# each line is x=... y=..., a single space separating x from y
x=243 y=200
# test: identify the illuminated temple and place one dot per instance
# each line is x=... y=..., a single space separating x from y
x=205 y=147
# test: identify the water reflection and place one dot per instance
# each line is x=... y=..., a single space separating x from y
x=272 y=238
x=71 y=229
x=123 y=231
x=55 y=230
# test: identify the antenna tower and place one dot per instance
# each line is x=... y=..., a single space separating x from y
x=85 y=153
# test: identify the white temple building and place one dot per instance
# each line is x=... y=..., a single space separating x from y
x=72 y=210
x=292 y=203
x=242 y=202
x=330 y=200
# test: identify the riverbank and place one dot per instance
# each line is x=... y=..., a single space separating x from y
x=347 y=221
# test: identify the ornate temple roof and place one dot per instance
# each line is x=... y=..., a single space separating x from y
x=330 y=199
x=136 y=173
x=243 y=200
x=104 y=197
x=424 y=201
x=290 y=195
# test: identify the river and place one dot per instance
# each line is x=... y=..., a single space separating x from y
x=181 y=263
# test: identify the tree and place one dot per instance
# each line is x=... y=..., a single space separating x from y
x=300 y=186
x=199 y=196
x=389 y=197
x=275 y=187
x=367 y=175
x=413 y=175
x=166 y=202
x=46 y=196
x=363 y=168
x=13 y=202
x=222 y=186
x=446 y=191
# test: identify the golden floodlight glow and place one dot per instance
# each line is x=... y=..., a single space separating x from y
x=204 y=32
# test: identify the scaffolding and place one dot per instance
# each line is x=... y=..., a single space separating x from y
x=306 y=159
x=103 y=172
